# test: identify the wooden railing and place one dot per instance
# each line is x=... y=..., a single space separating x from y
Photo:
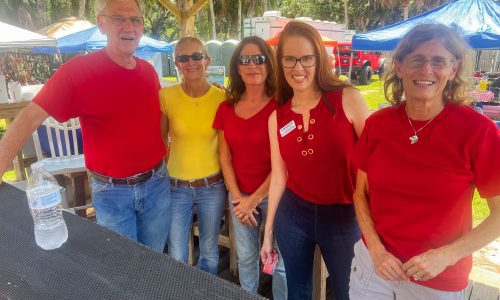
x=9 y=111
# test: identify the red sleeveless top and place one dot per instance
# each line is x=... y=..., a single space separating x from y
x=319 y=163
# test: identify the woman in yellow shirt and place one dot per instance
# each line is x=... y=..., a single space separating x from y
x=195 y=173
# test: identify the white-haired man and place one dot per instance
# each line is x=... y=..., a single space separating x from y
x=115 y=95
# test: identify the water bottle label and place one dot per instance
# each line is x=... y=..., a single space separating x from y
x=47 y=200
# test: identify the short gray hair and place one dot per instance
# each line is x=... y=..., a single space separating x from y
x=100 y=5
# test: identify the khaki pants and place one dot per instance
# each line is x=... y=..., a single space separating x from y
x=366 y=284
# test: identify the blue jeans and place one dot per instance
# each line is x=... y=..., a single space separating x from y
x=248 y=249
x=210 y=203
x=139 y=212
x=299 y=226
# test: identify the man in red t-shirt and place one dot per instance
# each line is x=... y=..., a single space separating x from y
x=107 y=90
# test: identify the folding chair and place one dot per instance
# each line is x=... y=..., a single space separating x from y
x=65 y=159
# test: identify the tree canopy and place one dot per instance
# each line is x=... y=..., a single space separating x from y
x=161 y=24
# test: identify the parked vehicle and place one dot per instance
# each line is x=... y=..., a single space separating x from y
x=364 y=63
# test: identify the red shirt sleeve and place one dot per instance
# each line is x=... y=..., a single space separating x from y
x=220 y=116
x=58 y=95
x=486 y=163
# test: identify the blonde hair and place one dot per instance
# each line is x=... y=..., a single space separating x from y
x=451 y=40
x=191 y=39
x=100 y=5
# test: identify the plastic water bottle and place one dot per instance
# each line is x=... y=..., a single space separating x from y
x=44 y=199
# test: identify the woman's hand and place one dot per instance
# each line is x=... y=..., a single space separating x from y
x=244 y=208
x=427 y=265
x=266 y=252
x=387 y=265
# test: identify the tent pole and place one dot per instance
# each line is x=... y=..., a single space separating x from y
x=494 y=66
x=350 y=69
x=338 y=58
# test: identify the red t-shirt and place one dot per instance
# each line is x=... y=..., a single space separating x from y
x=318 y=161
x=119 y=112
x=421 y=194
x=248 y=141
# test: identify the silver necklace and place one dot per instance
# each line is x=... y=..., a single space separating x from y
x=414 y=138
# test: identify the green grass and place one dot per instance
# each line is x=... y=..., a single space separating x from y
x=373 y=93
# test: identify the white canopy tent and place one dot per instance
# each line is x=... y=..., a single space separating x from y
x=14 y=37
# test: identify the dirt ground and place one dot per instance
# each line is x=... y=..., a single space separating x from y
x=486 y=267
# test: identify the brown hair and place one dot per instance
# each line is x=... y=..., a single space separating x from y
x=451 y=40
x=324 y=77
x=236 y=86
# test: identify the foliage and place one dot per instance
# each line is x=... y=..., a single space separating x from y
x=35 y=14
x=159 y=23
x=25 y=68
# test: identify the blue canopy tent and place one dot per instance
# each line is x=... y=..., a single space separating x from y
x=477 y=20
x=92 y=39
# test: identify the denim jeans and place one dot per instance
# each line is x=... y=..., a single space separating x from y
x=139 y=212
x=210 y=203
x=300 y=226
x=248 y=249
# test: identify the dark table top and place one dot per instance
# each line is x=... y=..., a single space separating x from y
x=94 y=263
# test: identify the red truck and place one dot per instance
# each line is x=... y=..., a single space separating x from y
x=364 y=63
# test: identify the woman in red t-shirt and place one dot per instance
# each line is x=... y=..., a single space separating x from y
x=311 y=135
x=244 y=153
x=420 y=161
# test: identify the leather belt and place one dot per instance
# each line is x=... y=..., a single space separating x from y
x=132 y=180
x=196 y=182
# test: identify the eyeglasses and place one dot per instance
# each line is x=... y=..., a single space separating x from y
x=258 y=59
x=197 y=56
x=120 y=20
x=436 y=62
x=306 y=61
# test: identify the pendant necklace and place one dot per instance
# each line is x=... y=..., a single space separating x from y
x=414 y=138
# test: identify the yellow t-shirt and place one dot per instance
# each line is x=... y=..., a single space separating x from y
x=193 y=141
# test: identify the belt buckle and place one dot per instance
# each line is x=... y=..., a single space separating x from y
x=132 y=180
x=192 y=181
x=136 y=178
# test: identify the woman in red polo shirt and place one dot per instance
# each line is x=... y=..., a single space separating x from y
x=420 y=161
x=312 y=181
x=244 y=153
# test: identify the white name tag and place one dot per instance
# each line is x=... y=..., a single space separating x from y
x=287 y=128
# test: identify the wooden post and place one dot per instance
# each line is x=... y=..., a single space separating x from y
x=185 y=11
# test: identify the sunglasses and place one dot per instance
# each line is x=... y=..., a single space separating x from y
x=257 y=59
x=197 y=56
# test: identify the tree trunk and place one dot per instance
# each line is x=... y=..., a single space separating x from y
x=81 y=9
x=346 y=20
x=240 y=33
x=212 y=19
x=264 y=5
x=405 y=4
